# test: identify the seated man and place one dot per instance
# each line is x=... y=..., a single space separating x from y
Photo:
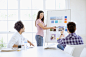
x=71 y=39
x=17 y=39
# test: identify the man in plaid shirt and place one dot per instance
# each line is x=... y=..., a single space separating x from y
x=71 y=39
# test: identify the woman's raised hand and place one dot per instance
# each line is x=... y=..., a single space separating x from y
x=54 y=27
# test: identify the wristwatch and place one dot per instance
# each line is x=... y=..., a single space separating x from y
x=19 y=46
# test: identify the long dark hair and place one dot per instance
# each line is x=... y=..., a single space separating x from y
x=38 y=16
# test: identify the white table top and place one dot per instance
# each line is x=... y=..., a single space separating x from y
x=35 y=52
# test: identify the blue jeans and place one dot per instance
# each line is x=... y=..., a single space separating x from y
x=60 y=47
x=39 y=40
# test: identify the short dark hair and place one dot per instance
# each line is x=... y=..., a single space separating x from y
x=71 y=27
x=18 y=26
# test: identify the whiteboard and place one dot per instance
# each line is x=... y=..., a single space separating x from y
x=58 y=18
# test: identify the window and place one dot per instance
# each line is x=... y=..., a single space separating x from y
x=50 y=4
x=26 y=10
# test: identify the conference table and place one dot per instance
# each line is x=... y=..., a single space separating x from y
x=36 y=52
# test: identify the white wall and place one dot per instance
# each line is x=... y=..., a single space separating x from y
x=78 y=15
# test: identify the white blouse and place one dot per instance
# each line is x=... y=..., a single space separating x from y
x=16 y=39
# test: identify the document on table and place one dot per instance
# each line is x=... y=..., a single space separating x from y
x=8 y=50
x=51 y=46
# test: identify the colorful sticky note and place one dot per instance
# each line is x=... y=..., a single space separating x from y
x=65 y=29
x=60 y=21
x=52 y=21
x=56 y=21
x=65 y=21
x=65 y=16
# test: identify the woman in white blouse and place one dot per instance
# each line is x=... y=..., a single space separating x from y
x=17 y=39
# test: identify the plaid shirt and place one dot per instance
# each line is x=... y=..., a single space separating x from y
x=71 y=39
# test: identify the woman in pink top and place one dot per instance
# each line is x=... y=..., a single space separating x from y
x=39 y=23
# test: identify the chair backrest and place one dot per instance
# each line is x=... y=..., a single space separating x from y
x=78 y=49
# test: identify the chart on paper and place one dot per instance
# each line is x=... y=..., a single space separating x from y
x=59 y=19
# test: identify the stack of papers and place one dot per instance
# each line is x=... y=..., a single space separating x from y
x=7 y=50
x=51 y=46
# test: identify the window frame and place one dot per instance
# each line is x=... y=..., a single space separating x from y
x=7 y=32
